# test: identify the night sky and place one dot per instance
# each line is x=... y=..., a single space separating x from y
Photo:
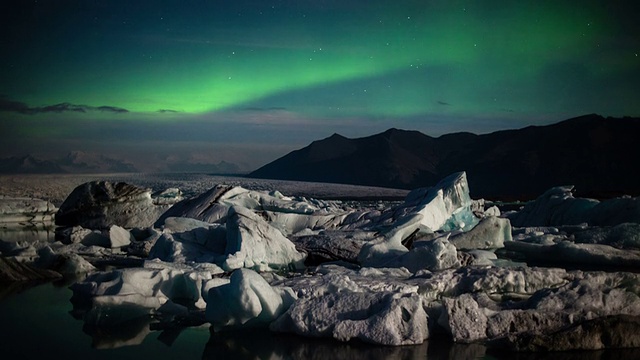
x=162 y=82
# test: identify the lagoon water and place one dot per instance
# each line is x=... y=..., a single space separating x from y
x=37 y=323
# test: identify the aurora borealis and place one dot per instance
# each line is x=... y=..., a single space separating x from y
x=247 y=81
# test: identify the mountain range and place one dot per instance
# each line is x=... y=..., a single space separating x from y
x=73 y=162
x=599 y=155
x=78 y=162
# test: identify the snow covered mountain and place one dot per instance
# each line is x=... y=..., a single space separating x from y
x=591 y=152
x=80 y=162
x=74 y=162
x=28 y=165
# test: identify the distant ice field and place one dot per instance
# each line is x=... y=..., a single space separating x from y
x=56 y=187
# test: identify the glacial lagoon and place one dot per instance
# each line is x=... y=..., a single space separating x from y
x=41 y=319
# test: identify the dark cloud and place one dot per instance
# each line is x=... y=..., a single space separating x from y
x=13 y=106
x=255 y=108
x=22 y=108
x=62 y=107
x=110 y=109
x=444 y=103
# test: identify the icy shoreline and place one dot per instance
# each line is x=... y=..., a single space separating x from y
x=438 y=263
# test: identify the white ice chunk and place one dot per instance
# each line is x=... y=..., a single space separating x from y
x=147 y=285
x=180 y=224
x=213 y=205
x=119 y=237
x=388 y=251
x=446 y=206
x=247 y=300
x=490 y=233
x=253 y=243
x=189 y=240
x=380 y=252
x=437 y=254
x=22 y=210
x=375 y=317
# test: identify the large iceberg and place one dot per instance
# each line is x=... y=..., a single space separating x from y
x=446 y=206
x=252 y=243
x=245 y=241
x=213 y=205
x=558 y=206
x=98 y=205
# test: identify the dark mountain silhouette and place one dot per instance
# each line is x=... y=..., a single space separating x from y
x=28 y=165
x=598 y=155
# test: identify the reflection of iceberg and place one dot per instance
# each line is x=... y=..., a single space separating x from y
x=261 y=344
x=26 y=219
x=127 y=332
x=30 y=233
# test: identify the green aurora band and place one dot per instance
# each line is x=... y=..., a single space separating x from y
x=231 y=57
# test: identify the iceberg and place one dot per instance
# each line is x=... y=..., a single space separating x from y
x=246 y=300
x=374 y=317
x=383 y=273
x=254 y=244
x=144 y=290
x=558 y=206
x=245 y=241
x=490 y=233
x=446 y=206
x=17 y=210
x=213 y=205
x=101 y=204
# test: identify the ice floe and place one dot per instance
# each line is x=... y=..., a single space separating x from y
x=437 y=263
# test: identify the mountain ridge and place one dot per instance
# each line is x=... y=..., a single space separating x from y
x=79 y=162
x=588 y=151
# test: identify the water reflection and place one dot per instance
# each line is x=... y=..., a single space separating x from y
x=618 y=354
x=125 y=333
x=29 y=233
x=262 y=344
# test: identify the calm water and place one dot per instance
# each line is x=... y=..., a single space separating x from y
x=37 y=324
